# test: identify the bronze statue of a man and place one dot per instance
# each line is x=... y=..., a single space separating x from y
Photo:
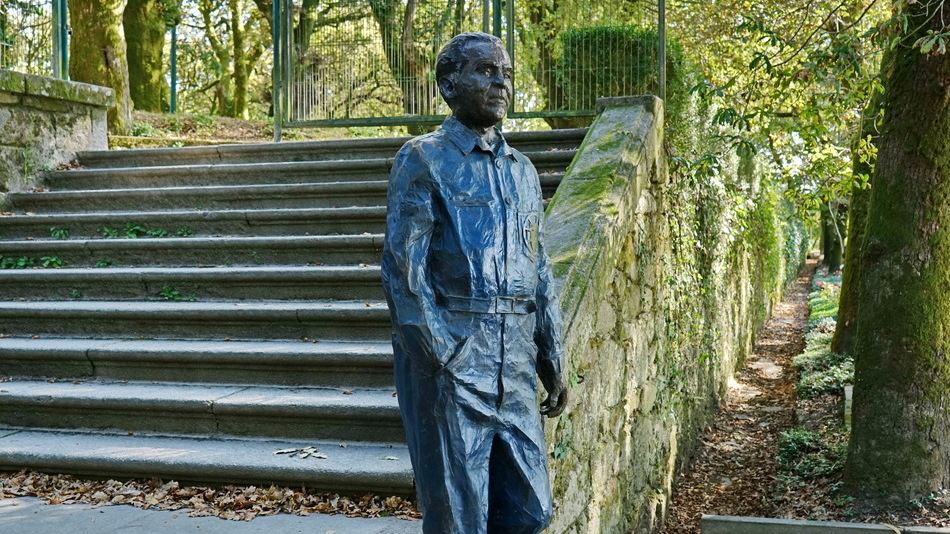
x=475 y=318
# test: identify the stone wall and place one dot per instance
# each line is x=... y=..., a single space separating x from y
x=664 y=283
x=44 y=122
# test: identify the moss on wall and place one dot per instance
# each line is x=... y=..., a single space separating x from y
x=664 y=283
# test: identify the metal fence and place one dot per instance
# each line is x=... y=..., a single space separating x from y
x=372 y=62
x=33 y=37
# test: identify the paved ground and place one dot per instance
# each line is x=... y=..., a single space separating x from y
x=31 y=516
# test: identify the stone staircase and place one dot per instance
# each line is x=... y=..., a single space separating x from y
x=204 y=307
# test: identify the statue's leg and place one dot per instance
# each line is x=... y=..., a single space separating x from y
x=449 y=445
x=519 y=491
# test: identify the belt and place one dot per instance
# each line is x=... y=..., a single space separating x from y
x=502 y=304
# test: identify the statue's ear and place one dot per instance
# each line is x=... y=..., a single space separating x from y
x=447 y=88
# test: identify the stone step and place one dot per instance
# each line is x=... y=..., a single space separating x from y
x=291 y=363
x=305 y=150
x=359 y=467
x=309 y=195
x=200 y=283
x=265 y=222
x=203 y=409
x=337 y=320
x=254 y=173
x=218 y=197
x=201 y=251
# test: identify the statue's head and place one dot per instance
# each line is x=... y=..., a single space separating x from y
x=474 y=75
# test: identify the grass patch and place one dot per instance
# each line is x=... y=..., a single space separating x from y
x=808 y=455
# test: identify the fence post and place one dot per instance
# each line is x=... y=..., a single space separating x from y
x=510 y=38
x=275 y=74
x=60 y=59
x=173 y=104
x=661 y=52
x=496 y=17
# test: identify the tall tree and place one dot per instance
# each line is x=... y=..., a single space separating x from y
x=228 y=29
x=900 y=444
x=99 y=56
x=863 y=158
x=145 y=25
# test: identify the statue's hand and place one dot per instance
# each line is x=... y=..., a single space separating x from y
x=554 y=404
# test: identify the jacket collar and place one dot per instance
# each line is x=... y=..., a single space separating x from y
x=466 y=139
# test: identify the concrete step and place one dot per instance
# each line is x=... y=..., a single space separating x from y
x=203 y=409
x=200 y=283
x=305 y=150
x=364 y=364
x=338 y=320
x=359 y=467
x=219 y=197
x=202 y=251
x=265 y=222
x=262 y=196
x=254 y=173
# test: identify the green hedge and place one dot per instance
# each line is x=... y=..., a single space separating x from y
x=614 y=60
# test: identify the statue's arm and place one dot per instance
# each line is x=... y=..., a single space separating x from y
x=409 y=224
x=547 y=335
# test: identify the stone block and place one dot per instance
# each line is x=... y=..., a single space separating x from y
x=713 y=524
x=69 y=91
x=21 y=126
x=51 y=105
x=12 y=82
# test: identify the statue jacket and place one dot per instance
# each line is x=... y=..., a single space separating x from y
x=467 y=279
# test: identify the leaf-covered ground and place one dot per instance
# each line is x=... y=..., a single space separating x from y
x=777 y=450
x=241 y=503
x=734 y=467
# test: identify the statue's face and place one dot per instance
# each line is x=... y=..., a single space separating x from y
x=482 y=89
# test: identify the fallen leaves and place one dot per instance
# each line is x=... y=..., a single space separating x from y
x=241 y=503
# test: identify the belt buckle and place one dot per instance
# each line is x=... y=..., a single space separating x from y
x=505 y=305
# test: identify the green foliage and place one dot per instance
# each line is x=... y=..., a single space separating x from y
x=103 y=263
x=75 y=294
x=109 y=232
x=59 y=233
x=184 y=231
x=51 y=262
x=173 y=294
x=808 y=455
x=142 y=129
x=17 y=262
x=133 y=230
x=607 y=60
x=821 y=371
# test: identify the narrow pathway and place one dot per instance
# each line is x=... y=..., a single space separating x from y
x=734 y=467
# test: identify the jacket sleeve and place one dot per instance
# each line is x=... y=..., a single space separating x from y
x=548 y=329
x=410 y=220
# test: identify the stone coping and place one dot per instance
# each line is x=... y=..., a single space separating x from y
x=41 y=86
x=719 y=524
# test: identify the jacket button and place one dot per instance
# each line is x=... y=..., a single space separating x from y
x=498 y=163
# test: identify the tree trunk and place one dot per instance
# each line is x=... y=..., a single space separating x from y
x=842 y=342
x=97 y=54
x=239 y=53
x=900 y=444
x=408 y=66
x=846 y=326
x=831 y=229
x=145 y=41
x=224 y=103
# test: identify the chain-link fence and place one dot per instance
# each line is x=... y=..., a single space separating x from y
x=32 y=36
x=363 y=62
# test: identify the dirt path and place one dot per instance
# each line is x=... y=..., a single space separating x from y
x=734 y=468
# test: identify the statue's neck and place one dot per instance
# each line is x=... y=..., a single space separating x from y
x=487 y=133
